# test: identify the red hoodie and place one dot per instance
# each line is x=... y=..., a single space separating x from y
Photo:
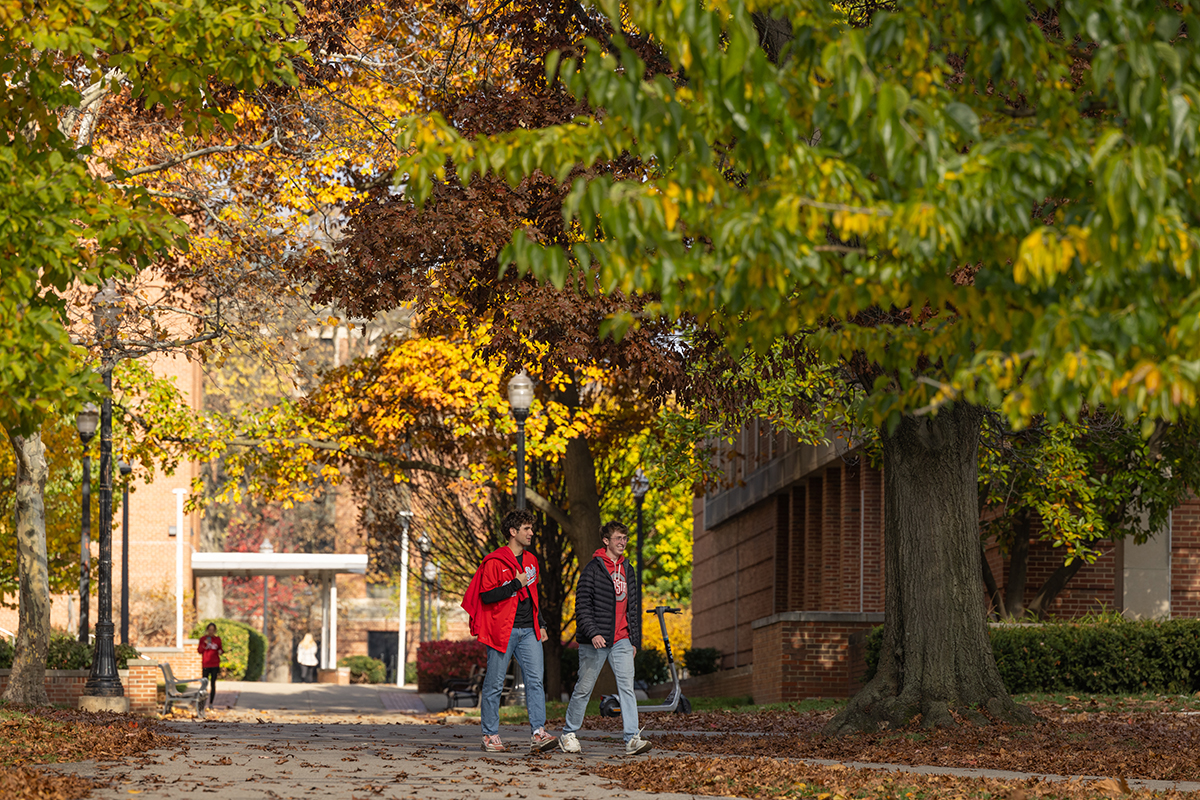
x=492 y=622
x=618 y=571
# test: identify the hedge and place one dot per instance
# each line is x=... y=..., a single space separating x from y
x=67 y=652
x=244 y=648
x=445 y=658
x=364 y=669
x=1110 y=657
x=702 y=660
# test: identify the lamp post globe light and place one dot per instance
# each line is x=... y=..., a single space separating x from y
x=86 y=423
x=103 y=690
x=640 y=484
x=520 y=398
x=125 y=470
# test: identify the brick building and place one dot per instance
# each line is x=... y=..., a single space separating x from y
x=367 y=617
x=788 y=571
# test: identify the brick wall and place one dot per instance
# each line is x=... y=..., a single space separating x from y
x=1185 y=559
x=184 y=663
x=798 y=655
x=65 y=686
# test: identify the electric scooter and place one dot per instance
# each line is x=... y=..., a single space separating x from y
x=610 y=706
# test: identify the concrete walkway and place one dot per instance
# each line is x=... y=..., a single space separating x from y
x=359 y=742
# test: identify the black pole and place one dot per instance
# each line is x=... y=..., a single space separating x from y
x=125 y=470
x=520 y=414
x=85 y=541
x=104 y=680
x=638 y=499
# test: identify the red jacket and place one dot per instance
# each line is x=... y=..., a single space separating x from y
x=210 y=651
x=492 y=622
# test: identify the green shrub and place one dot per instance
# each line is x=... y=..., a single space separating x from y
x=650 y=666
x=569 y=664
x=702 y=660
x=364 y=669
x=66 y=652
x=1112 y=656
x=244 y=649
x=410 y=672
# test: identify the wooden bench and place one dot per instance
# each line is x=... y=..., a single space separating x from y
x=186 y=696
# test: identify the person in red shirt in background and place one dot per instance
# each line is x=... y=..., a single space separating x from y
x=210 y=650
x=502 y=601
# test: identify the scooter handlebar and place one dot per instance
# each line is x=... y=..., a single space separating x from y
x=665 y=610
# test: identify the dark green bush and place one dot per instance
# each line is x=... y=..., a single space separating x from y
x=569 y=663
x=364 y=669
x=66 y=652
x=410 y=672
x=244 y=647
x=702 y=660
x=650 y=665
x=1113 y=656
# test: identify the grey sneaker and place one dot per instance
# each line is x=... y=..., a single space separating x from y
x=569 y=744
x=637 y=745
x=541 y=741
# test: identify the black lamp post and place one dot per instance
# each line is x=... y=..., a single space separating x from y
x=520 y=398
x=124 y=469
x=640 y=485
x=104 y=680
x=425 y=546
x=86 y=424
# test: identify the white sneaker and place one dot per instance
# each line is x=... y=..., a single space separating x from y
x=568 y=743
x=637 y=745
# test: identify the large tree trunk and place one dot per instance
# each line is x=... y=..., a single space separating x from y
x=935 y=658
x=583 y=499
x=27 y=683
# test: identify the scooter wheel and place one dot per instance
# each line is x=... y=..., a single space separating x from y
x=684 y=707
x=610 y=706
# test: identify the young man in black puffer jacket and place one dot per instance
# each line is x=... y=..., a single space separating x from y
x=607 y=629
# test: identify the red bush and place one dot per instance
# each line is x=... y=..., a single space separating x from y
x=444 y=658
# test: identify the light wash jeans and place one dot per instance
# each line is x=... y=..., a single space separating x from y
x=591 y=660
x=522 y=643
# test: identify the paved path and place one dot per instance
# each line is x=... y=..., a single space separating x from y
x=365 y=742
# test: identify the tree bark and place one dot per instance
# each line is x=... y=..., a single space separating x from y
x=27 y=683
x=1018 y=568
x=936 y=659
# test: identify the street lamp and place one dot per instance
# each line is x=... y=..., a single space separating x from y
x=520 y=398
x=124 y=469
x=640 y=485
x=266 y=549
x=104 y=682
x=86 y=424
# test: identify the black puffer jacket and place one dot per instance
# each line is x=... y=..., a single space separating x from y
x=596 y=604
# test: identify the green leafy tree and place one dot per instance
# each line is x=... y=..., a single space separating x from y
x=963 y=206
x=66 y=226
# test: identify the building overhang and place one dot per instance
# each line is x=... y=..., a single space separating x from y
x=309 y=565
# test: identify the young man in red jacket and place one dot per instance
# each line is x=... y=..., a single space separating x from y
x=502 y=601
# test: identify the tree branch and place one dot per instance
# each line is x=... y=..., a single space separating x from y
x=204 y=151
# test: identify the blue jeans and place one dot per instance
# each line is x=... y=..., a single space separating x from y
x=522 y=643
x=591 y=660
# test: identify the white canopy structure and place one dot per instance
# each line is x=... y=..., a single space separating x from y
x=318 y=567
